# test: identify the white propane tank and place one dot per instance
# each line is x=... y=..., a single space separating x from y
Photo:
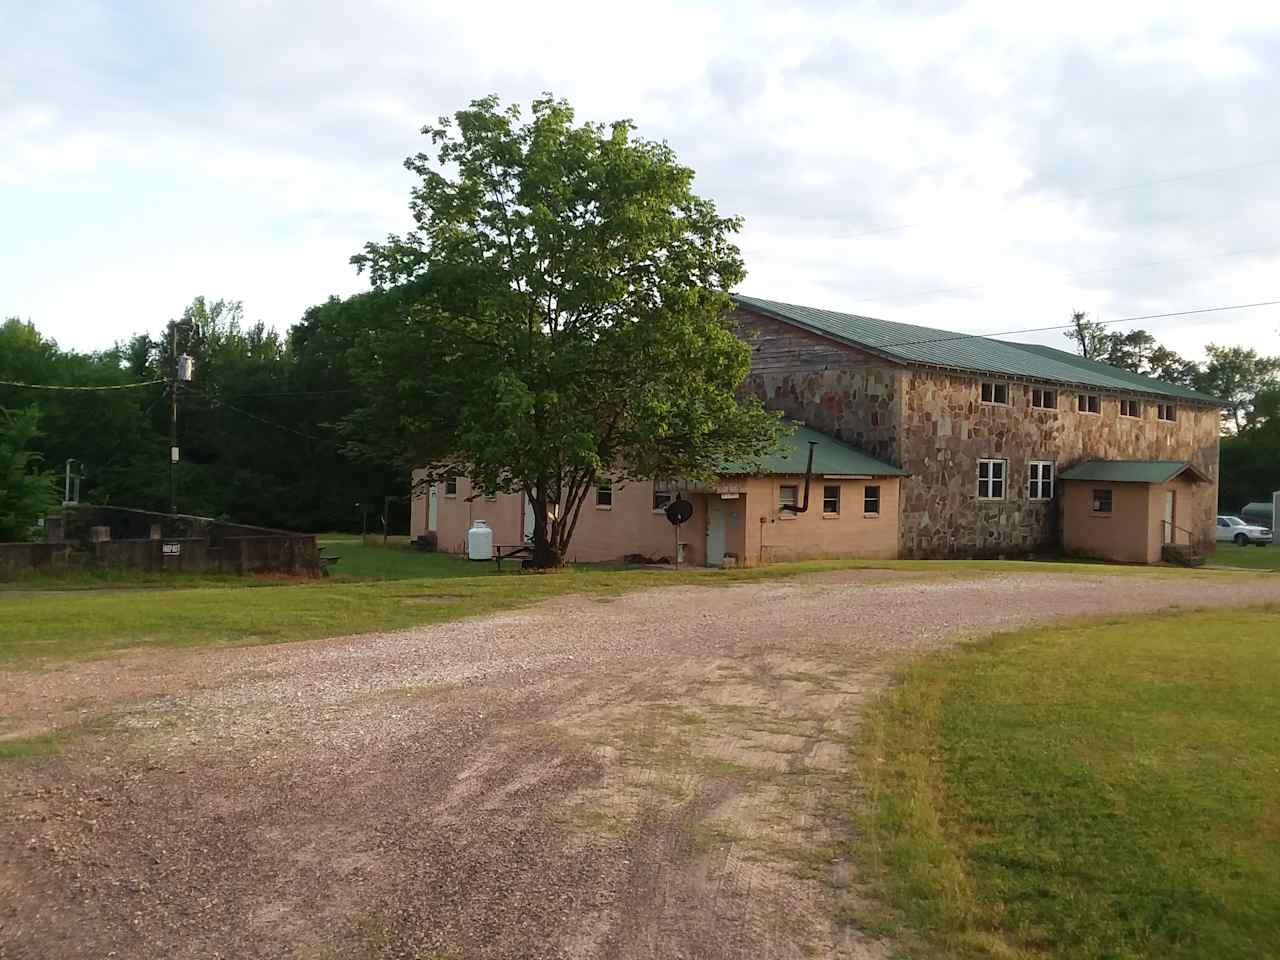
x=480 y=541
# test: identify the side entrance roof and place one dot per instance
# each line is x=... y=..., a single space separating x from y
x=1131 y=471
x=830 y=458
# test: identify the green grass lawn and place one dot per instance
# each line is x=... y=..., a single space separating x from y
x=1251 y=557
x=1103 y=790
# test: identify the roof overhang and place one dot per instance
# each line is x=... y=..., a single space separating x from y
x=1133 y=471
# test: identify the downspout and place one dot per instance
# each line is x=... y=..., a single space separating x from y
x=808 y=475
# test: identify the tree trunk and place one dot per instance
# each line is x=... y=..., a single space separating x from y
x=545 y=555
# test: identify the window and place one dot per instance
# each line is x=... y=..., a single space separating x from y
x=991 y=479
x=871 y=501
x=831 y=499
x=1089 y=403
x=995 y=392
x=451 y=487
x=788 y=496
x=1102 y=501
x=1040 y=480
x=1165 y=411
x=660 y=499
x=1130 y=408
x=1045 y=399
x=604 y=495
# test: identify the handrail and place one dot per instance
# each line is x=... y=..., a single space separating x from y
x=1191 y=541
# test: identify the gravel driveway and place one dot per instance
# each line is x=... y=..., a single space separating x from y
x=647 y=776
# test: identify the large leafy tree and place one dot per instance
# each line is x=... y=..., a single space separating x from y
x=26 y=490
x=569 y=317
x=1237 y=375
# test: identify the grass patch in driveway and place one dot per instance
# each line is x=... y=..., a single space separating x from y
x=1098 y=790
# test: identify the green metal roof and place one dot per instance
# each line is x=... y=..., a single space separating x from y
x=1129 y=471
x=830 y=456
x=907 y=343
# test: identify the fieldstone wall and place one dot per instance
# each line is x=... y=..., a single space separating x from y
x=946 y=430
x=932 y=424
x=845 y=392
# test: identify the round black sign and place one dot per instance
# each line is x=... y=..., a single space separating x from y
x=678 y=511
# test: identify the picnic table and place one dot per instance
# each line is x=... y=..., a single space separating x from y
x=511 y=551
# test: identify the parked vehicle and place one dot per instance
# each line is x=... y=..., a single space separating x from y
x=1235 y=530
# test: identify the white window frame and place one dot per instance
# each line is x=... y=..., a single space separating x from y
x=1042 y=392
x=1036 y=481
x=994 y=387
x=1129 y=403
x=1082 y=403
x=664 y=495
x=451 y=482
x=794 y=502
x=991 y=479
x=867 y=499
x=839 y=496
x=1170 y=409
x=604 y=487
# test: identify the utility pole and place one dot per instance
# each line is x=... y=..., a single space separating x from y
x=180 y=370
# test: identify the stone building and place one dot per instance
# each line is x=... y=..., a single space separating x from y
x=985 y=428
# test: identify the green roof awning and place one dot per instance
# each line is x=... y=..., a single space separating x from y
x=830 y=458
x=907 y=343
x=1130 y=471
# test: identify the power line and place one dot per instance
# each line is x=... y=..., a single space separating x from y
x=253 y=416
x=49 y=386
x=1068 y=326
x=1074 y=276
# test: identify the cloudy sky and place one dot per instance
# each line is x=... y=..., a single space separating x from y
x=980 y=167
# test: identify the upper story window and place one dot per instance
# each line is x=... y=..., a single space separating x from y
x=871 y=501
x=1040 y=480
x=1089 y=403
x=994 y=392
x=661 y=497
x=1166 y=411
x=1130 y=408
x=1102 y=501
x=1044 y=399
x=991 y=476
x=831 y=500
x=604 y=495
x=451 y=487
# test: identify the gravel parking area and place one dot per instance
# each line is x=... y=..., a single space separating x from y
x=656 y=775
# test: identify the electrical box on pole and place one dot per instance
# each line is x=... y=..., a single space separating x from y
x=186 y=367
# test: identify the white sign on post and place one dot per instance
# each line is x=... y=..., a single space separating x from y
x=171 y=549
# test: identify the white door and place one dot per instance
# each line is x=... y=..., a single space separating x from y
x=433 y=510
x=1170 y=535
x=528 y=518
x=715 y=530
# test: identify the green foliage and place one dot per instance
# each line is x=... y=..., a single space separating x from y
x=1105 y=790
x=567 y=318
x=1237 y=375
x=27 y=492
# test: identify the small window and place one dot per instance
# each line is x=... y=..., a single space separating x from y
x=871 y=501
x=831 y=499
x=1222 y=522
x=604 y=495
x=1088 y=403
x=788 y=496
x=1040 y=480
x=660 y=499
x=1130 y=408
x=451 y=487
x=991 y=475
x=995 y=392
x=1102 y=501
x=1166 y=412
x=1044 y=399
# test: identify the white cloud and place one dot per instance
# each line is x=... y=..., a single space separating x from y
x=966 y=165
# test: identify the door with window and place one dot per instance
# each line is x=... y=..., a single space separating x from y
x=716 y=528
x=1170 y=506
